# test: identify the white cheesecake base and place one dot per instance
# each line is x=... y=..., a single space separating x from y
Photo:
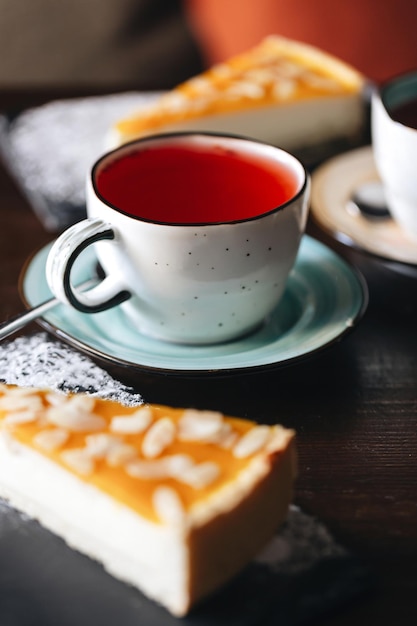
x=290 y=126
x=175 y=565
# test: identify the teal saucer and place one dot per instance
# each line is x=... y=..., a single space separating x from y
x=324 y=299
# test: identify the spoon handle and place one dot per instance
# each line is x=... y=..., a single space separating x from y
x=20 y=320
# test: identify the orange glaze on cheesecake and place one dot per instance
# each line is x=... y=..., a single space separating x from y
x=115 y=447
x=277 y=71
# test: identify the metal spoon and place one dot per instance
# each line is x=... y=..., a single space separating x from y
x=20 y=320
x=369 y=199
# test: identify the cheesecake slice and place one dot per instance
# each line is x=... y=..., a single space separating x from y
x=282 y=92
x=172 y=501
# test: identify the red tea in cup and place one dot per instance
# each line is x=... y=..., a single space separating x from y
x=182 y=183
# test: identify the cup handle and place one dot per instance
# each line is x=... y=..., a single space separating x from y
x=108 y=293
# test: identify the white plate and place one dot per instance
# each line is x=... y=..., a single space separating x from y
x=332 y=187
x=324 y=299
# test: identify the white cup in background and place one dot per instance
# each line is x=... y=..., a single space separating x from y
x=394 y=141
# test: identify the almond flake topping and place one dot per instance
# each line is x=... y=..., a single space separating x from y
x=121 y=454
x=260 y=75
x=201 y=475
x=81 y=403
x=168 y=506
x=21 y=401
x=172 y=466
x=56 y=399
x=76 y=415
x=18 y=391
x=132 y=424
x=321 y=82
x=52 y=439
x=159 y=436
x=178 y=466
x=200 y=84
x=246 y=89
x=78 y=460
x=200 y=425
x=100 y=444
x=109 y=447
x=251 y=442
x=174 y=102
x=221 y=70
x=226 y=437
x=21 y=417
x=21 y=405
x=284 y=89
x=289 y=69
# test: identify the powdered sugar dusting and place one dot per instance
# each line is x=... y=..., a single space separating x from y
x=51 y=148
x=38 y=361
x=302 y=542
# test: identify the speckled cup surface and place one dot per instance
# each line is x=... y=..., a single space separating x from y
x=193 y=284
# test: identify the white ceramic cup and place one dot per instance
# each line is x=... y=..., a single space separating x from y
x=395 y=149
x=192 y=283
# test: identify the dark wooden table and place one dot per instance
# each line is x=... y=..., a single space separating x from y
x=354 y=407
